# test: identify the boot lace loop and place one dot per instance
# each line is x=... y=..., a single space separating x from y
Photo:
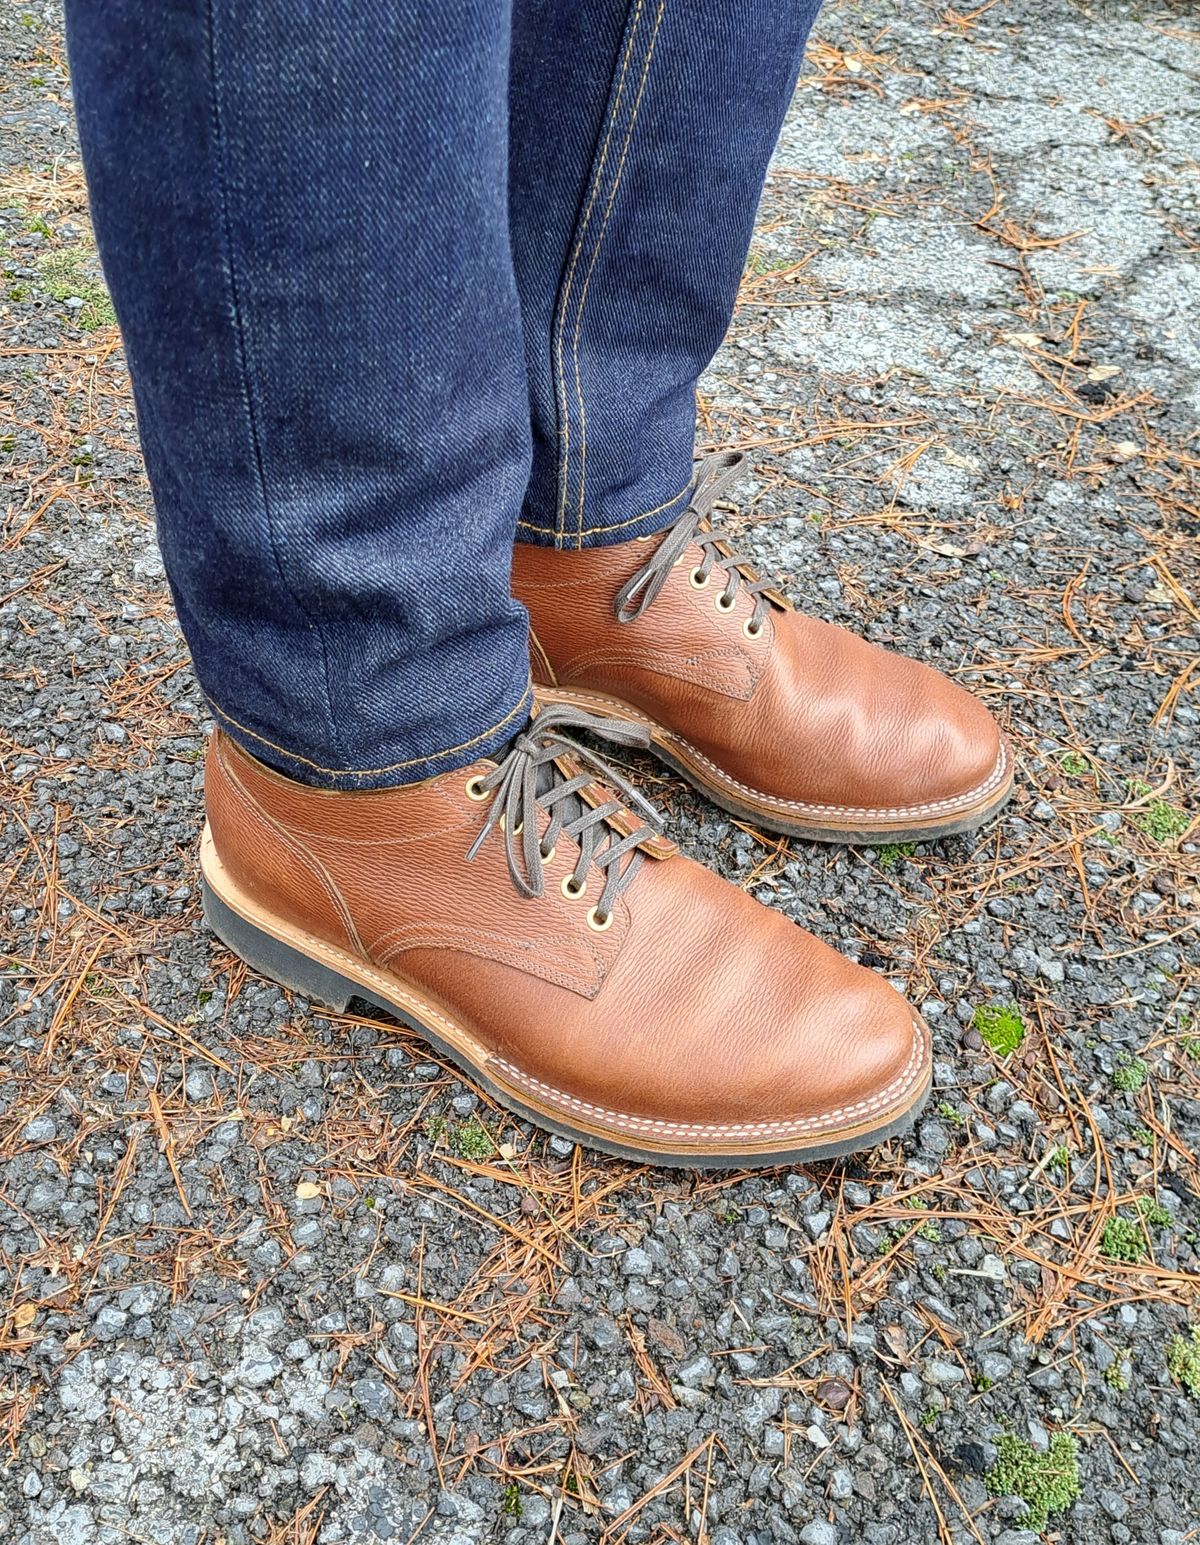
x=528 y=779
x=715 y=475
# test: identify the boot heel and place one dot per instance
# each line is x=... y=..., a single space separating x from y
x=272 y=957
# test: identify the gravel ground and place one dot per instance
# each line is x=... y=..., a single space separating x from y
x=266 y=1275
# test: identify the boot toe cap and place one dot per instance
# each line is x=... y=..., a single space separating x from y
x=939 y=753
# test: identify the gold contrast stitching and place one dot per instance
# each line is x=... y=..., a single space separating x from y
x=618 y=525
x=583 y=294
x=371 y=772
x=564 y=435
x=535 y=645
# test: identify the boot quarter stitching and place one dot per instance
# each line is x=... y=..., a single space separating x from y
x=294 y=846
x=539 y=656
x=754 y=659
x=535 y=962
x=401 y=936
x=695 y=666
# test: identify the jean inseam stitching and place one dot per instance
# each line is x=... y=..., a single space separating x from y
x=243 y=354
x=612 y=197
x=619 y=525
x=560 y=382
x=372 y=772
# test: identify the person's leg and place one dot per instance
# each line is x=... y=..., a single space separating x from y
x=781 y=719
x=631 y=214
x=302 y=216
x=301 y=209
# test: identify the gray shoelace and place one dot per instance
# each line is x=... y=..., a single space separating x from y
x=715 y=475
x=527 y=779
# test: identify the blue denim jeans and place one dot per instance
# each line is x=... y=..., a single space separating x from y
x=399 y=283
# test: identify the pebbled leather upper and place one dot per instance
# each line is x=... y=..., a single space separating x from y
x=806 y=712
x=698 y=1010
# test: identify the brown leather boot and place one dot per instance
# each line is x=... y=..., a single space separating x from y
x=786 y=721
x=563 y=954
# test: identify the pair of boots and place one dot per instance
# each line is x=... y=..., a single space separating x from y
x=526 y=915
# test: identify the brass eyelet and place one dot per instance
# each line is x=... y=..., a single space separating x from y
x=476 y=790
x=548 y=858
x=726 y=603
x=697 y=580
x=569 y=889
x=517 y=829
x=752 y=629
x=595 y=923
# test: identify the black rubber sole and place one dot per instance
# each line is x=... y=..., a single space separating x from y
x=292 y=968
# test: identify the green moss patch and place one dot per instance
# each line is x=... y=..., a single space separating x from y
x=1047 y=1482
x=1001 y=1026
x=1183 y=1360
x=66 y=273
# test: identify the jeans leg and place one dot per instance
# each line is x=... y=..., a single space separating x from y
x=302 y=213
x=630 y=238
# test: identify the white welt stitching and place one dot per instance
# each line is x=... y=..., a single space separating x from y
x=747 y=1129
x=935 y=807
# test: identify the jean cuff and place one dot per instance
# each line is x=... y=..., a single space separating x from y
x=405 y=770
x=605 y=533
